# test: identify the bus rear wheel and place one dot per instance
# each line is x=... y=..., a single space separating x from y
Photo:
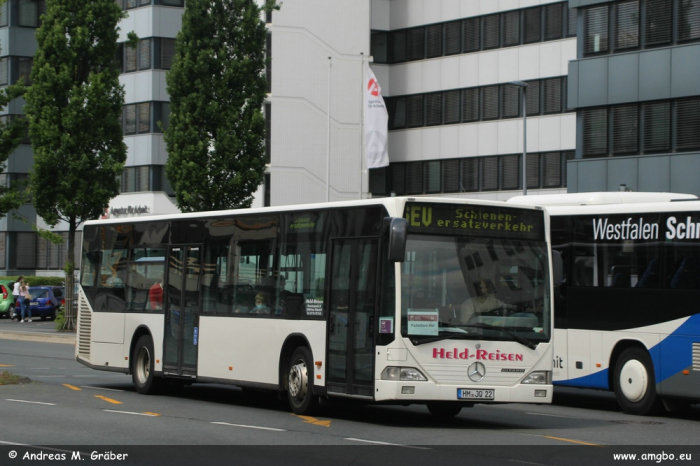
x=300 y=383
x=142 y=370
x=444 y=410
x=635 y=384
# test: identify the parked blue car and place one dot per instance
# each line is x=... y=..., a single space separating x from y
x=46 y=300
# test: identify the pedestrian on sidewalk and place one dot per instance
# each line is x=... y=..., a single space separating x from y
x=25 y=298
x=15 y=297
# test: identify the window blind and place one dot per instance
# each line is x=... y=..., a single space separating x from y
x=414 y=177
x=533 y=25
x=471 y=28
x=414 y=111
x=551 y=176
x=489 y=173
x=492 y=31
x=490 y=102
x=688 y=124
x=596 y=33
x=658 y=22
x=627 y=25
x=453 y=38
x=511 y=28
x=595 y=131
x=689 y=20
x=553 y=21
x=470 y=104
x=450 y=107
x=510 y=169
x=470 y=174
x=450 y=176
x=433 y=41
x=416 y=43
x=657 y=126
x=433 y=109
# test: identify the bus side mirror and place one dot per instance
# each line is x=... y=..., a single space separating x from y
x=557 y=268
x=397 y=238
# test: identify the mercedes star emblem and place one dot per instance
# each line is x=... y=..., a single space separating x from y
x=476 y=372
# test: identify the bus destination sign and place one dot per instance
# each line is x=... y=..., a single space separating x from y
x=474 y=220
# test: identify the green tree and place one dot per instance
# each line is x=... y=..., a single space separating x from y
x=216 y=130
x=74 y=107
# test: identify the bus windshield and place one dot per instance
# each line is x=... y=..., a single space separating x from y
x=475 y=288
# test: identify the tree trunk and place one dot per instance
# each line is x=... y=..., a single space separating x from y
x=70 y=322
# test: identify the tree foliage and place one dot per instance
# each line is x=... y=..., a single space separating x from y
x=74 y=107
x=216 y=130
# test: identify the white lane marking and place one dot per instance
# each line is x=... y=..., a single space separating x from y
x=48 y=376
x=386 y=443
x=32 y=402
x=249 y=427
x=128 y=412
x=100 y=388
x=553 y=415
x=83 y=376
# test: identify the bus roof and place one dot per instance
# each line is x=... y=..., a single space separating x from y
x=395 y=204
x=599 y=198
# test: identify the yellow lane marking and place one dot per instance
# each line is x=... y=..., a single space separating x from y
x=573 y=441
x=6 y=365
x=314 y=421
x=109 y=400
x=150 y=414
x=72 y=387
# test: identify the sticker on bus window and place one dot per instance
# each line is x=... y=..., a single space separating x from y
x=386 y=325
x=314 y=307
x=423 y=321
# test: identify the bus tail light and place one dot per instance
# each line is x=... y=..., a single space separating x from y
x=402 y=373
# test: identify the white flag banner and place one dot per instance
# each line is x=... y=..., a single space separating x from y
x=376 y=122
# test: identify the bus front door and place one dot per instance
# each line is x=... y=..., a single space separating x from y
x=182 y=311
x=351 y=319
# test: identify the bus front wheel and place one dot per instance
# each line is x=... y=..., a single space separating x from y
x=300 y=383
x=142 y=370
x=635 y=384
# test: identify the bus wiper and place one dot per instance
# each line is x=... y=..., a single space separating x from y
x=449 y=336
x=518 y=338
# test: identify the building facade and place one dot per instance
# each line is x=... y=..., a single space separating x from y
x=611 y=100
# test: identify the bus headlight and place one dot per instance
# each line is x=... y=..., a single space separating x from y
x=539 y=377
x=403 y=373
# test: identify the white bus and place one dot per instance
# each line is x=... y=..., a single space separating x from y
x=627 y=315
x=361 y=300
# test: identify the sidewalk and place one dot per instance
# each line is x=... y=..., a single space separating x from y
x=67 y=338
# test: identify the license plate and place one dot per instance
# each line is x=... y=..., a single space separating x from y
x=33 y=304
x=471 y=394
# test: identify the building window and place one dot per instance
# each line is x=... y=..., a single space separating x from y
x=533 y=25
x=627 y=25
x=4 y=71
x=30 y=12
x=475 y=104
x=507 y=29
x=25 y=70
x=3 y=23
x=625 y=129
x=657 y=126
x=596 y=34
x=640 y=24
x=595 y=132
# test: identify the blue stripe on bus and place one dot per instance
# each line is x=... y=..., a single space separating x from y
x=676 y=351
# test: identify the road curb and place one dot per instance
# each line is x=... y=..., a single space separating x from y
x=63 y=338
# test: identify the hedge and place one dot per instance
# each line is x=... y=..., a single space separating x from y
x=39 y=281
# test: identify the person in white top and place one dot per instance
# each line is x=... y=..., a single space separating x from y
x=15 y=296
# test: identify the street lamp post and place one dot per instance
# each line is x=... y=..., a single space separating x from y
x=523 y=85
